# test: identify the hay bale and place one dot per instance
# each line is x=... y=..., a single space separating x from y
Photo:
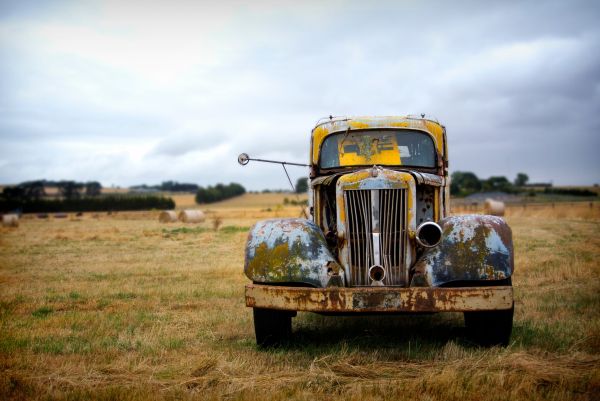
x=10 y=220
x=493 y=207
x=167 y=216
x=192 y=216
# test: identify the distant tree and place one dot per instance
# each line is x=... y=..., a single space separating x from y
x=25 y=191
x=33 y=190
x=174 y=186
x=69 y=189
x=497 y=183
x=219 y=192
x=521 y=180
x=145 y=187
x=16 y=192
x=464 y=183
x=302 y=185
x=93 y=188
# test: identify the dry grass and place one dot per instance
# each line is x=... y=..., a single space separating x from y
x=567 y=210
x=123 y=307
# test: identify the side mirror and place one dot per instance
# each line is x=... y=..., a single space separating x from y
x=243 y=159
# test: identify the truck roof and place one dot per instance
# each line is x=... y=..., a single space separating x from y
x=330 y=125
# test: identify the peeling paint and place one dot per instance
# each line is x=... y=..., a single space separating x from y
x=288 y=251
x=379 y=299
x=473 y=247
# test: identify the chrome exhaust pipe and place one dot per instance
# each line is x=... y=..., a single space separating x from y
x=376 y=274
x=429 y=234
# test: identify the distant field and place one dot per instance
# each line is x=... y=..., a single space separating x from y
x=121 y=307
x=252 y=201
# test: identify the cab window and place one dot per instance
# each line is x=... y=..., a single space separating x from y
x=381 y=147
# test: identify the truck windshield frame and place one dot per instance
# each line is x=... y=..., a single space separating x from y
x=383 y=147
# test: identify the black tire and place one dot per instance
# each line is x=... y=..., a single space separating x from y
x=489 y=328
x=272 y=327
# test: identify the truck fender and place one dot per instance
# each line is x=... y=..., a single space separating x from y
x=473 y=248
x=290 y=251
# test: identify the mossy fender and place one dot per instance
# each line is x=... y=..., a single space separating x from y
x=289 y=251
x=473 y=248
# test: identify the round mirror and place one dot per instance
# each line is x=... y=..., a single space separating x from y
x=243 y=159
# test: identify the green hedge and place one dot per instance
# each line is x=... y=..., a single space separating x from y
x=219 y=192
x=570 y=191
x=86 y=204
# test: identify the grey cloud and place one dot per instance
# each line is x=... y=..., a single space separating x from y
x=183 y=143
x=516 y=83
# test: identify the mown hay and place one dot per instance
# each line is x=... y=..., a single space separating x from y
x=493 y=207
x=10 y=220
x=192 y=216
x=167 y=216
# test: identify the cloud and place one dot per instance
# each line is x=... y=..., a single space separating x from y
x=148 y=92
x=190 y=141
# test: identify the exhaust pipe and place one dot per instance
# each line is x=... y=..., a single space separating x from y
x=376 y=274
x=429 y=234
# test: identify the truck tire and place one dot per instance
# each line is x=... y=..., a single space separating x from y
x=489 y=328
x=272 y=327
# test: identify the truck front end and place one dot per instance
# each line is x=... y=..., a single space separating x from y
x=379 y=239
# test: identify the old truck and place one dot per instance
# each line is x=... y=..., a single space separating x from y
x=379 y=238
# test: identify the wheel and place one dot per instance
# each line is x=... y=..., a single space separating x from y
x=272 y=327
x=490 y=328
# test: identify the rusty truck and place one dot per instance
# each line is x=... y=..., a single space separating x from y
x=380 y=237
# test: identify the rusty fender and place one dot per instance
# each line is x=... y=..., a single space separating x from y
x=290 y=251
x=473 y=248
x=379 y=299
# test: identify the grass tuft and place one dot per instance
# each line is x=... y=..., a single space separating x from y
x=42 y=312
x=234 y=229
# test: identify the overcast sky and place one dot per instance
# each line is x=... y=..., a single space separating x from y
x=131 y=92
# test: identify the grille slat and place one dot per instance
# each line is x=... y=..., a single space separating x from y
x=391 y=209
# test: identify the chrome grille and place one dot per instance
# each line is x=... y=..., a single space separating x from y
x=376 y=233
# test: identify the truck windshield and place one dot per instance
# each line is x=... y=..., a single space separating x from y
x=382 y=147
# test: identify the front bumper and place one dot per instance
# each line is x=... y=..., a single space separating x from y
x=379 y=299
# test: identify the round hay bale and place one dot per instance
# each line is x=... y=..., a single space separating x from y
x=493 y=207
x=167 y=216
x=10 y=220
x=192 y=216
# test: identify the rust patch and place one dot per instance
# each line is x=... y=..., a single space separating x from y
x=379 y=299
x=474 y=247
x=289 y=250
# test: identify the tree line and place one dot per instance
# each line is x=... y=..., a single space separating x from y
x=168 y=186
x=88 y=204
x=464 y=183
x=31 y=197
x=219 y=192
x=35 y=190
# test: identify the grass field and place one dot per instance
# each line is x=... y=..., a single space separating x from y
x=121 y=307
